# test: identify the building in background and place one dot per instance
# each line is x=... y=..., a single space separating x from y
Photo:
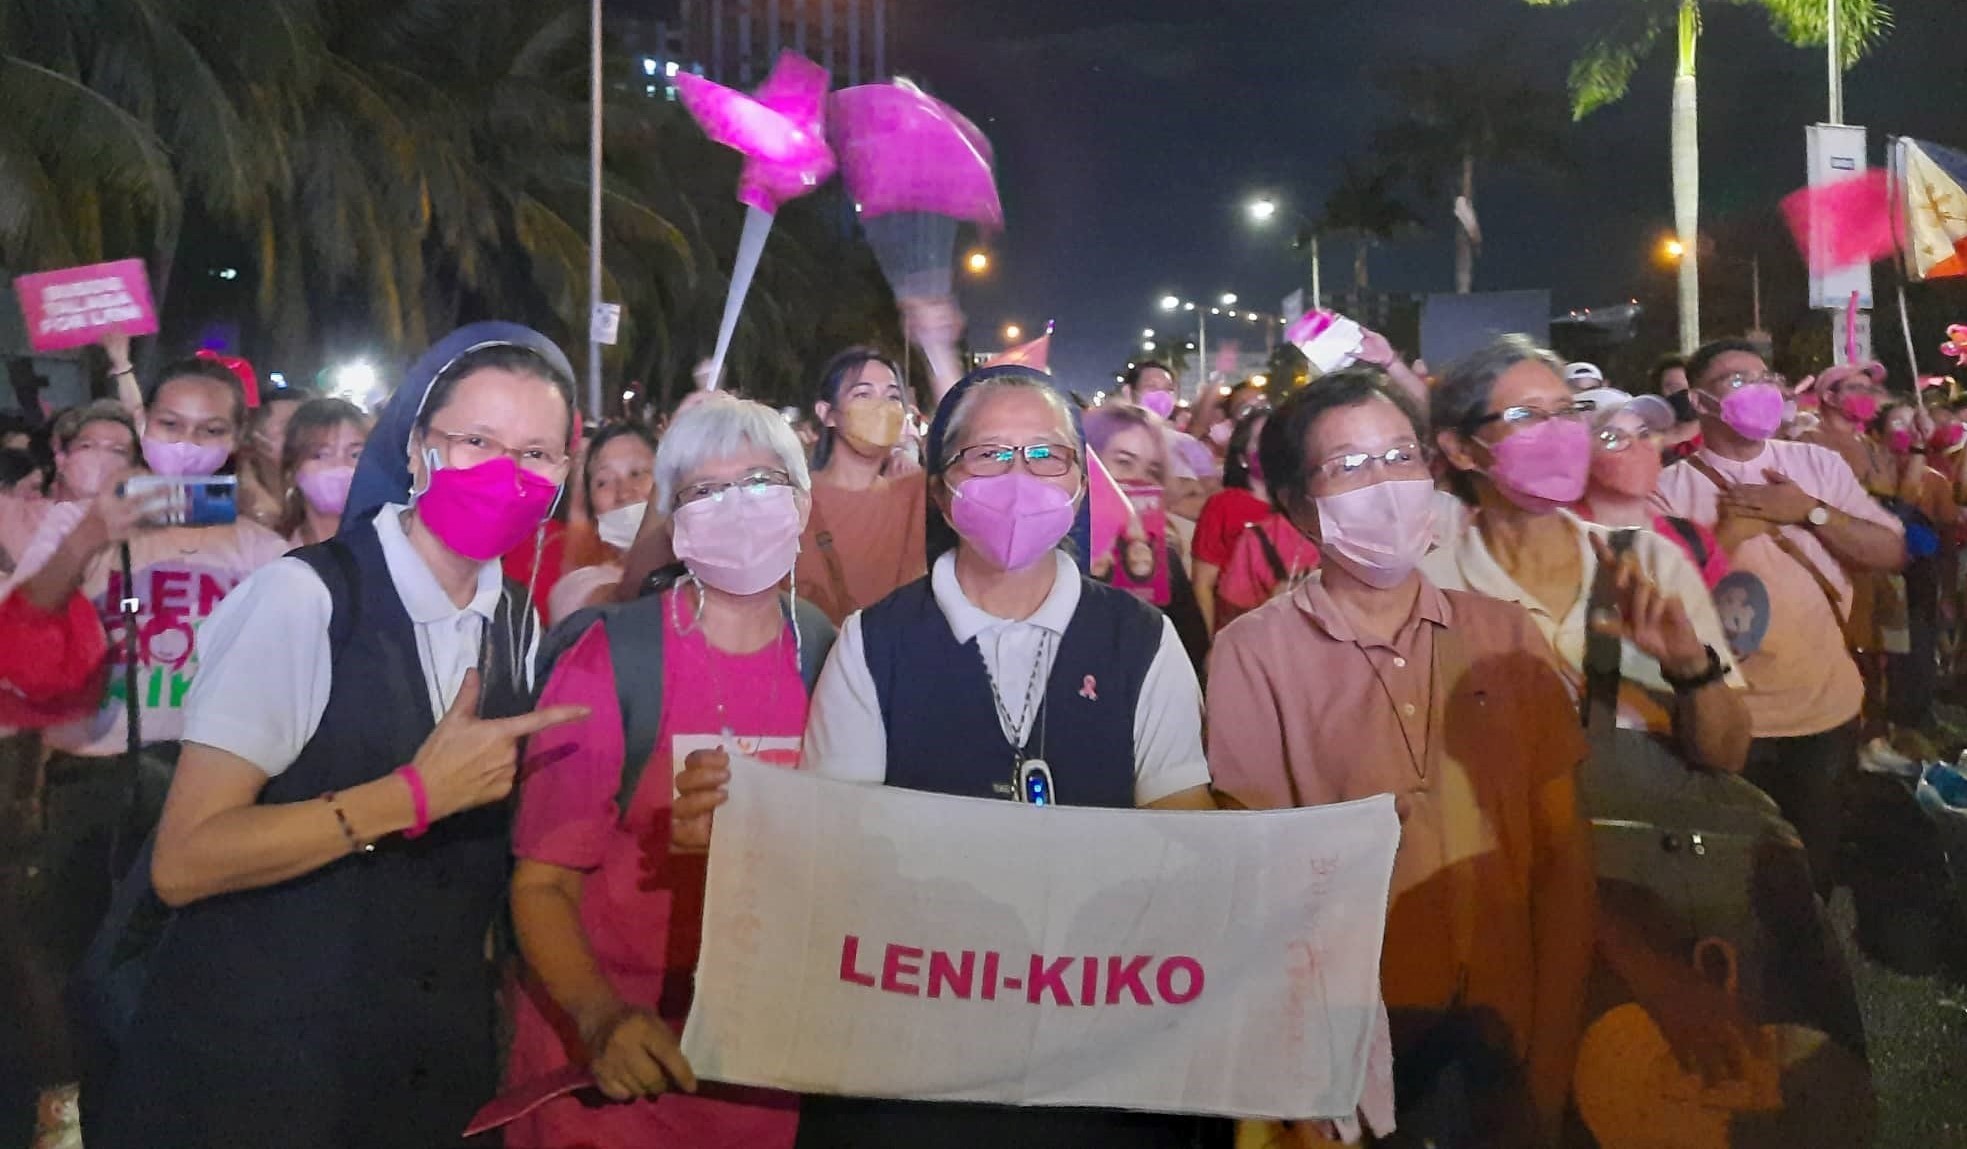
x=734 y=42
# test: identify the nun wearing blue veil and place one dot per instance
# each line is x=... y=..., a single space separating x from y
x=336 y=841
x=1008 y=673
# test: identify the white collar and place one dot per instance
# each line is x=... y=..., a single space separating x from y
x=1485 y=576
x=423 y=599
x=967 y=620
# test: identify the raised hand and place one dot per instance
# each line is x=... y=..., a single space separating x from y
x=1649 y=618
x=700 y=790
x=468 y=761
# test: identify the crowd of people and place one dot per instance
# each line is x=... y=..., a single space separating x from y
x=333 y=815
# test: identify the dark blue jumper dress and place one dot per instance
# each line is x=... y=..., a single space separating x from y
x=352 y=1006
x=944 y=737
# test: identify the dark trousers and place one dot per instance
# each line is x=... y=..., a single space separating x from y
x=1804 y=775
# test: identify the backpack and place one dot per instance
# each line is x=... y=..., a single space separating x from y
x=635 y=646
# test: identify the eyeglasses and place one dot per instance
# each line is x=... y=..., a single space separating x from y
x=470 y=448
x=1741 y=379
x=1521 y=417
x=1406 y=458
x=1044 y=460
x=1616 y=439
x=754 y=484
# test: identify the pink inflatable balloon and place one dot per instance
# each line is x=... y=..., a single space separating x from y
x=903 y=150
x=778 y=129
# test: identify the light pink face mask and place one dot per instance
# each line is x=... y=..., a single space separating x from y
x=742 y=543
x=1378 y=533
x=326 y=488
x=1543 y=467
x=187 y=460
x=1162 y=403
x=1014 y=519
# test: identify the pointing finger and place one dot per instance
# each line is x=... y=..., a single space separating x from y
x=524 y=724
x=465 y=705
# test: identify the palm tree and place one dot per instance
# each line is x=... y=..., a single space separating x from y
x=1456 y=114
x=1365 y=209
x=1602 y=74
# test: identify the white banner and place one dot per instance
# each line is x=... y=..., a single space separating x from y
x=881 y=942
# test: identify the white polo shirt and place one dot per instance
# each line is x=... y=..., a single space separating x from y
x=845 y=737
x=265 y=667
x=1464 y=563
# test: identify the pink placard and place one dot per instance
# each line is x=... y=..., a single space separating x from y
x=76 y=306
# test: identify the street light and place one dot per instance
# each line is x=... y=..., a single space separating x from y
x=1261 y=210
x=1672 y=249
x=1147 y=345
x=1264 y=209
x=1012 y=333
x=1169 y=303
x=1229 y=299
x=978 y=262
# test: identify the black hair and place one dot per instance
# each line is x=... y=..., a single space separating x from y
x=1141 y=368
x=1656 y=375
x=607 y=434
x=1236 y=468
x=494 y=356
x=209 y=371
x=16 y=464
x=832 y=378
x=1282 y=444
x=1704 y=357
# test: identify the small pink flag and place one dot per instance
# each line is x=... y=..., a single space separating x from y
x=1035 y=354
x=1846 y=222
x=1108 y=504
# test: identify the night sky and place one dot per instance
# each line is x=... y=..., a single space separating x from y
x=1129 y=136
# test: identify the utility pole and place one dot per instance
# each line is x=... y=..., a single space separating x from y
x=594 y=95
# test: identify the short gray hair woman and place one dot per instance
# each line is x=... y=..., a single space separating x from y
x=719 y=426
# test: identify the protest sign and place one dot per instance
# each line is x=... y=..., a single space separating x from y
x=76 y=306
x=880 y=942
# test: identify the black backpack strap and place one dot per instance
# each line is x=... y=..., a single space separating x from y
x=1603 y=651
x=1691 y=535
x=334 y=564
x=1276 y=560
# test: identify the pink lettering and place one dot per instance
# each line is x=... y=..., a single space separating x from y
x=170 y=591
x=990 y=975
x=1164 y=979
x=1089 y=981
x=210 y=591
x=1127 y=977
x=893 y=969
x=1044 y=977
x=850 y=952
x=957 y=977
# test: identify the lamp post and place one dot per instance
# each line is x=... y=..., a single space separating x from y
x=1671 y=250
x=594 y=95
x=1176 y=303
x=1264 y=209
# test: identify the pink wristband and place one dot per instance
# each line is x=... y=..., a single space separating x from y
x=419 y=801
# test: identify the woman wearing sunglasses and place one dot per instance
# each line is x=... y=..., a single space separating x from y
x=1007 y=673
x=1520 y=444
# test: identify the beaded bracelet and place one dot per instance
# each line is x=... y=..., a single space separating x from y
x=355 y=844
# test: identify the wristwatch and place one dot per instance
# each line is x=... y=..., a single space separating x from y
x=1714 y=672
x=1819 y=516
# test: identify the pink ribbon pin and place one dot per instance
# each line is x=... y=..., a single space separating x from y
x=1088 y=690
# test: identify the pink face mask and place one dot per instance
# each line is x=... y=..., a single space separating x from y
x=325 y=488
x=1015 y=519
x=1162 y=403
x=1755 y=411
x=1859 y=407
x=1634 y=471
x=189 y=460
x=484 y=511
x=1219 y=434
x=1898 y=440
x=1543 y=467
x=1380 y=533
x=740 y=543
x=1946 y=437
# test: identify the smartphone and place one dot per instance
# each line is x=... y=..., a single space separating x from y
x=186 y=500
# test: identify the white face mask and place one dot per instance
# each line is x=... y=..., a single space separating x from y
x=619 y=527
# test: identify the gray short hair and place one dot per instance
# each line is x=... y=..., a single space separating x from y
x=719 y=425
x=1462 y=396
x=956 y=435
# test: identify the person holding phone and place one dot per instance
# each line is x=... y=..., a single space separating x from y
x=335 y=841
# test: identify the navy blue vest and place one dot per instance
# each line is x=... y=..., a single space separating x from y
x=944 y=737
x=936 y=702
x=352 y=1005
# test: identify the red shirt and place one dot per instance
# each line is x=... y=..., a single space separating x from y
x=1228 y=513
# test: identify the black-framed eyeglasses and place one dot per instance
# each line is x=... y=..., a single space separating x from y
x=1519 y=417
x=1044 y=460
x=1404 y=458
x=755 y=483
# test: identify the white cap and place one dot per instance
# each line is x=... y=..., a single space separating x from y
x=1583 y=374
x=1606 y=402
